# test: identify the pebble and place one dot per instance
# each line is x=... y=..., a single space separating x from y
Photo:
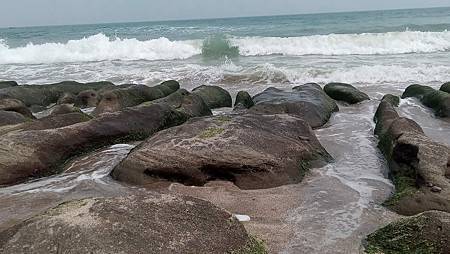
x=436 y=189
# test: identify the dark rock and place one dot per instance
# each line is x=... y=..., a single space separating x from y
x=214 y=96
x=243 y=100
x=11 y=117
x=45 y=95
x=16 y=106
x=118 y=99
x=66 y=98
x=38 y=153
x=445 y=87
x=87 y=99
x=252 y=151
x=188 y=103
x=49 y=122
x=5 y=84
x=148 y=223
x=439 y=101
x=308 y=102
x=345 y=92
x=415 y=161
x=428 y=233
x=63 y=109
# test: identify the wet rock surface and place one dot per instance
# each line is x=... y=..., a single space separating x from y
x=416 y=162
x=117 y=99
x=186 y=102
x=308 y=102
x=438 y=100
x=44 y=95
x=214 y=96
x=247 y=150
x=150 y=223
x=40 y=152
x=445 y=87
x=345 y=92
x=15 y=106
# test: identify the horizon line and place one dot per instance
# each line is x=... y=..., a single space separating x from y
x=217 y=18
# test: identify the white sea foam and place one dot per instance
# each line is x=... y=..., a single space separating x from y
x=346 y=44
x=100 y=47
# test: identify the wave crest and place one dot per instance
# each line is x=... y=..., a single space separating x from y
x=99 y=47
x=346 y=44
x=102 y=48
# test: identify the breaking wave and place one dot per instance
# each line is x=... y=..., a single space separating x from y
x=99 y=47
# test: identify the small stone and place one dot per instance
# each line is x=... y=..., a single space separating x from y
x=436 y=189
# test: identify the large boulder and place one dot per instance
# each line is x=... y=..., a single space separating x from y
x=38 y=153
x=243 y=100
x=186 y=102
x=47 y=94
x=62 y=109
x=117 y=99
x=427 y=233
x=345 y=92
x=252 y=151
x=5 y=84
x=439 y=101
x=16 y=106
x=214 y=96
x=147 y=223
x=445 y=87
x=87 y=99
x=66 y=98
x=48 y=122
x=11 y=117
x=419 y=166
x=308 y=102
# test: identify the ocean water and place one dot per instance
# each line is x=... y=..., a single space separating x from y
x=393 y=48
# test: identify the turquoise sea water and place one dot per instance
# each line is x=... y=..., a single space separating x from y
x=395 y=47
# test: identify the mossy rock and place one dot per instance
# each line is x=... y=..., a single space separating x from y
x=426 y=233
x=446 y=87
x=214 y=96
x=243 y=99
x=345 y=92
x=392 y=99
x=439 y=101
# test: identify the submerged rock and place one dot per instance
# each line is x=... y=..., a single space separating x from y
x=416 y=163
x=150 y=223
x=243 y=100
x=252 y=151
x=445 y=87
x=427 y=233
x=345 y=92
x=5 y=84
x=16 y=106
x=117 y=99
x=214 y=96
x=439 y=101
x=42 y=152
x=308 y=102
x=44 y=95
